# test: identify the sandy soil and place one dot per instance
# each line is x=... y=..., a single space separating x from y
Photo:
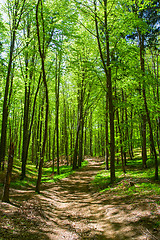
x=71 y=209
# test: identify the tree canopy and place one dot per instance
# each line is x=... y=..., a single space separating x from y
x=79 y=78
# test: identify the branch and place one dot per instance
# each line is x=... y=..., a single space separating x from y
x=22 y=49
x=98 y=40
x=87 y=29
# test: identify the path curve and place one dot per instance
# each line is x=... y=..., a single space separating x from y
x=74 y=211
x=71 y=209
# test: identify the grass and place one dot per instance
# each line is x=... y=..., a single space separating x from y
x=143 y=180
x=32 y=173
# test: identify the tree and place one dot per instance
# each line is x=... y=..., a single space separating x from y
x=141 y=36
x=57 y=85
x=42 y=53
x=106 y=61
x=16 y=10
x=5 y=197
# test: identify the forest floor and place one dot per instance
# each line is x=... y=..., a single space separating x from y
x=72 y=209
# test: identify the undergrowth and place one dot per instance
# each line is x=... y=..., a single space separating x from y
x=32 y=173
x=136 y=180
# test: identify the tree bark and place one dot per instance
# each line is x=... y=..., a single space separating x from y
x=90 y=136
x=42 y=56
x=57 y=110
x=76 y=147
x=5 y=197
x=66 y=133
x=121 y=143
x=5 y=102
x=16 y=17
x=27 y=130
x=141 y=44
x=107 y=70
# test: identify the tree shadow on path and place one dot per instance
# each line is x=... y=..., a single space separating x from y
x=70 y=209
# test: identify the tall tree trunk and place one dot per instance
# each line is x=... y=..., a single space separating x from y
x=80 y=155
x=66 y=133
x=85 y=140
x=49 y=144
x=107 y=140
x=5 y=101
x=26 y=107
x=16 y=14
x=72 y=116
x=98 y=140
x=42 y=56
x=38 y=134
x=131 y=133
x=107 y=70
x=20 y=139
x=91 y=135
x=95 y=145
x=144 y=150
x=156 y=75
x=27 y=129
x=80 y=152
x=57 y=109
x=121 y=142
x=141 y=44
x=102 y=140
x=76 y=147
x=125 y=128
x=53 y=151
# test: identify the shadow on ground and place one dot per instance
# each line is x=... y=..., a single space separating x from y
x=70 y=209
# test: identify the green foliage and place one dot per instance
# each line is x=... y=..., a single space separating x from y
x=69 y=33
x=141 y=178
x=31 y=176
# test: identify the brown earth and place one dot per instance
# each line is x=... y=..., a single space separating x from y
x=71 y=209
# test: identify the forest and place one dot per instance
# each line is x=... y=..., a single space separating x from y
x=79 y=97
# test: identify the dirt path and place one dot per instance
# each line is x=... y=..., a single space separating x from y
x=70 y=209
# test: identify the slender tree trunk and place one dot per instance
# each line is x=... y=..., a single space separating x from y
x=71 y=135
x=42 y=55
x=57 y=110
x=5 y=197
x=66 y=133
x=144 y=150
x=53 y=151
x=38 y=137
x=95 y=145
x=98 y=140
x=80 y=152
x=16 y=14
x=117 y=145
x=49 y=144
x=85 y=140
x=76 y=147
x=102 y=140
x=80 y=155
x=5 y=102
x=131 y=133
x=91 y=135
x=125 y=134
x=151 y=135
x=156 y=75
x=107 y=69
x=121 y=143
x=141 y=43
x=33 y=143
x=20 y=139
x=27 y=130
